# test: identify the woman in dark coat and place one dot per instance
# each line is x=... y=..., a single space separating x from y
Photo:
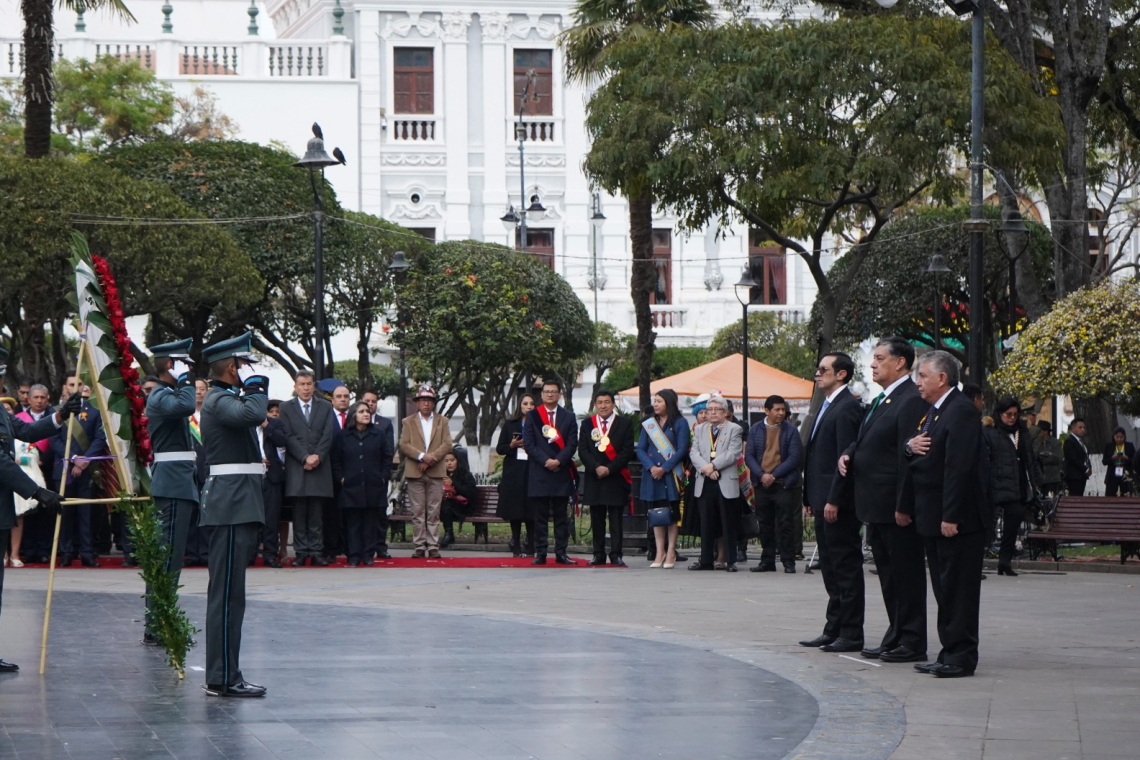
x=512 y=487
x=1118 y=456
x=459 y=494
x=362 y=464
x=1014 y=476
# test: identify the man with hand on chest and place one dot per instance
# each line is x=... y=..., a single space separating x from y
x=550 y=438
x=605 y=446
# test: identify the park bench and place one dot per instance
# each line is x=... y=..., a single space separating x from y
x=1090 y=518
x=486 y=504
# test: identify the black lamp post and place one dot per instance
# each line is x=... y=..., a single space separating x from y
x=397 y=268
x=937 y=268
x=746 y=284
x=316 y=159
x=535 y=210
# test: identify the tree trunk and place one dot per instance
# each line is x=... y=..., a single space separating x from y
x=38 y=43
x=641 y=285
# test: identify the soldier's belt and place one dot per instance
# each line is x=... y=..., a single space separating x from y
x=236 y=469
x=175 y=456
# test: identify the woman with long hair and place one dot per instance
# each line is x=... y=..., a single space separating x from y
x=459 y=494
x=513 y=484
x=362 y=464
x=1013 y=475
x=662 y=449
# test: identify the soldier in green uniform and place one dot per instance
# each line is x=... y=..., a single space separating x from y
x=172 y=479
x=12 y=478
x=231 y=502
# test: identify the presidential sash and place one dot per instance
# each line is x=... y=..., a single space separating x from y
x=549 y=428
x=602 y=441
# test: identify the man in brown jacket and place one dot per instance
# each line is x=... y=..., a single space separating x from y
x=424 y=442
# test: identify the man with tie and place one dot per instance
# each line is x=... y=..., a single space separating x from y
x=309 y=429
x=605 y=446
x=331 y=526
x=173 y=481
x=424 y=441
x=870 y=476
x=1078 y=466
x=836 y=524
x=550 y=439
x=945 y=497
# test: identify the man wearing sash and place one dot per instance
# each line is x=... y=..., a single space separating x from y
x=605 y=446
x=232 y=503
x=550 y=438
x=173 y=481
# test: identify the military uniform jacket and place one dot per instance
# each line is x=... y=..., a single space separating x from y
x=229 y=423
x=168 y=413
x=12 y=478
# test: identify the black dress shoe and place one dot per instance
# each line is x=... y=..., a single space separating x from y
x=319 y=562
x=817 y=642
x=130 y=562
x=619 y=562
x=595 y=562
x=1006 y=570
x=354 y=563
x=844 y=645
x=929 y=667
x=872 y=653
x=699 y=566
x=240 y=689
x=299 y=562
x=383 y=555
x=64 y=560
x=149 y=639
x=730 y=567
x=763 y=568
x=953 y=671
x=8 y=667
x=538 y=561
x=367 y=562
x=903 y=654
x=272 y=562
x=562 y=559
x=790 y=568
x=89 y=561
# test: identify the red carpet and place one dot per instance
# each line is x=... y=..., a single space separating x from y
x=463 y=559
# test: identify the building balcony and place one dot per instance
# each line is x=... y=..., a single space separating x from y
x=668 y=316
x=414 y=128
x=545 y=130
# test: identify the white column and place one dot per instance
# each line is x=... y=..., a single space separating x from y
x=340 y=57
x=577 y=200
x=457 y=222
x=494 y=94
x=370 y=50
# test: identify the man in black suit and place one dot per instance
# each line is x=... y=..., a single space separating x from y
x=77 y=533
x=273 y=485
x=310 y=429
x=550 y=439
x=388 y=433
x=605 y=446
x=945 y=496
x=1078 y=467
x=836 y=526
x=870 y=477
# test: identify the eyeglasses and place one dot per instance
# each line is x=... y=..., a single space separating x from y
x=822 y=370
x=554 y=392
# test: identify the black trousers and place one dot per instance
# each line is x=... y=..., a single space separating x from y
x=1013 y=513
x=841 y=564
x=273 y=494
x=231 y=549
x=5 y=540
x=775 y=510
x=39 y=529
x=174 y=515
x=359 y=534
x=547 y=508
x=719 y=517
x=956 y=577
x=198 y=542
x=900 y=560
x=1116 y=487
x=1076 y=487
x=598 y=515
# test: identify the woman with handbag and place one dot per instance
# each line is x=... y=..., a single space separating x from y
x=513 y=503
x=662 y=448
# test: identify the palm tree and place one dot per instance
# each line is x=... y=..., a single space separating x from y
x=39 y=42
x=600 y=25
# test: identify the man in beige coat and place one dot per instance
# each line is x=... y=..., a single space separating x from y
x=424 y=442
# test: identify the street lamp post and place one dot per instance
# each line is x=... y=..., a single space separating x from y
x=597 y=219
x=397 y=269
x=317 y=159
x=937 y=268
x=536 y=210
x=746 y=283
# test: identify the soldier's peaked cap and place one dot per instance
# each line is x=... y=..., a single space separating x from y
x=239 y=347
x=179 y=349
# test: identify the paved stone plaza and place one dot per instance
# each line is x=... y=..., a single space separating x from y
x=551 y=663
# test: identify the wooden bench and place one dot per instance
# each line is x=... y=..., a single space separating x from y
x=1090 y=518
x=486 y=504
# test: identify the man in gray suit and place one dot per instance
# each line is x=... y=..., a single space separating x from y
x=717 y=446
x=309 y=431
x=232 y=502
x=173 y=481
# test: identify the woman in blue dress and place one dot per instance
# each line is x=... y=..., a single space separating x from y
x=662 y=447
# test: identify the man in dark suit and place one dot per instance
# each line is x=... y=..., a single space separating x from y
x=605 y=446
x=550 y=439
x=273 y=486
x=309 y=430
x=88 y=440
x=836 y=525
x=1078 y=467
x=870 y=477
x=386 y=430
x=945 y=496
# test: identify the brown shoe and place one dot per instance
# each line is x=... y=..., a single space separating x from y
x=419 y=554
x=433 y=553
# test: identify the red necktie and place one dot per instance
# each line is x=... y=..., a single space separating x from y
x=342 y=415
x=604 y=426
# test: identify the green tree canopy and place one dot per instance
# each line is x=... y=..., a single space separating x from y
x=787 y=346
x=154 y=265
x=110 y=101
x=667 y=361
